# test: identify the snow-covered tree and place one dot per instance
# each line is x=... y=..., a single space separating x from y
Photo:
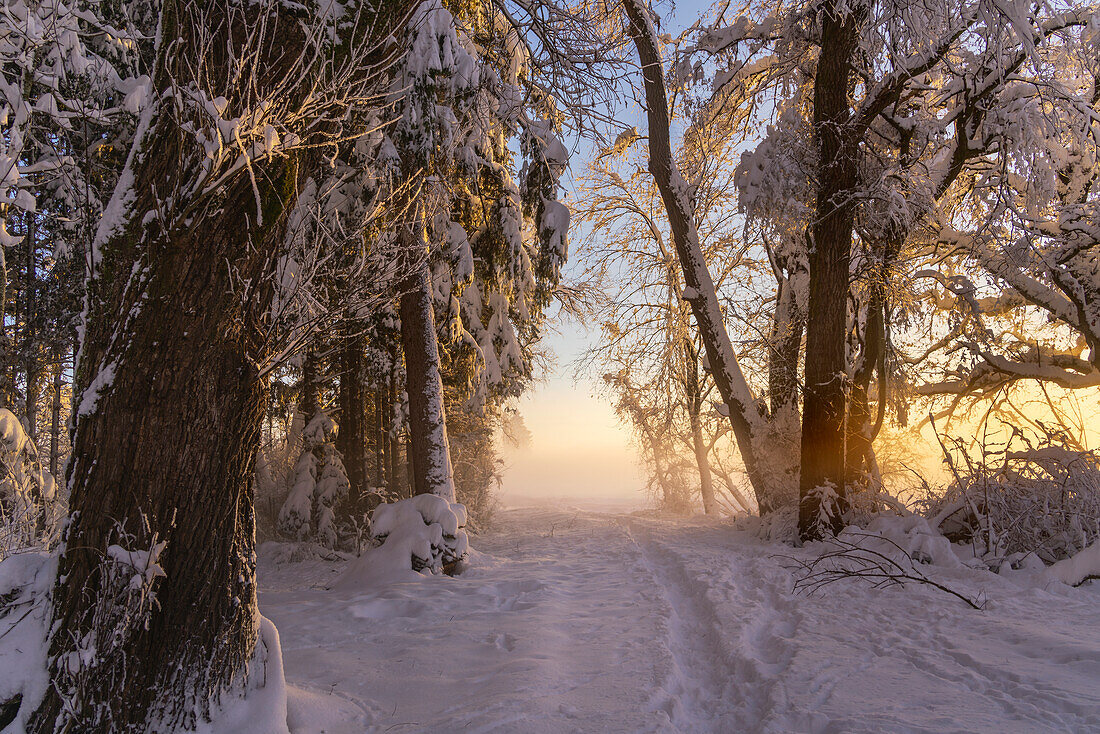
x=464 y=203
x=766 y=461
x=885 y=151
x=28 y=492
x=180 y=286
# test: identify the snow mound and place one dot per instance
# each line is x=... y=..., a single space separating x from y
x=261 y=708
x=778 y=526
x=1074 y=570
x=280 y=553
x=420 y=534
x=910 y=536
x=25 y=580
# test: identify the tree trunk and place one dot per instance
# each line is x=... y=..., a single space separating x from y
x=410 y=467
x=861 y=430
x=380 y=436
x=55 y=418
x=429 y=453
x=183 y=369
x=392 y=458
x=309 y=395
x=744 y=415
x=31 y=365
x=695 y=408
x=7 y=356
x=824 y=405
x=651 y=441
x=733 y=490
x=172 y=400
x=785 y=346
x=706 y=483
x=351 y=441
x=17 y=331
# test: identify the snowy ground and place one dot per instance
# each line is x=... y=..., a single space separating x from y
x=577 y=620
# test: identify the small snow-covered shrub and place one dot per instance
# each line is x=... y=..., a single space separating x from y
x=29 y=507
x=1078 y=568
x=910 y=536
x=426 y=528
x=1042 y=499
x=423 y=533
x=779 y=526
x=869 y=502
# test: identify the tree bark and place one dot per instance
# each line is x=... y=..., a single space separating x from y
x=309 y=395
x=17 y=330
x=183 y=370
x=429 y=452
x=55 y=418
x=380 y=436
x=825 y=402
x=7 y=385
x=872 y=360
x=785 y=347
x=31 y=366
x=392 y=458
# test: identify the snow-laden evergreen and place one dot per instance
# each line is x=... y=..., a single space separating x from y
x=29 y=505
x=318 y=482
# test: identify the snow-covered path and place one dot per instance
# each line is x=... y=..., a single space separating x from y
x=573 y=620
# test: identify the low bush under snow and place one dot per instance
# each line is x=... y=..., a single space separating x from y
x=423 y=534
x=1009 y=505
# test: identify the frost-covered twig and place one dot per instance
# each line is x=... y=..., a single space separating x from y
x=846 y=560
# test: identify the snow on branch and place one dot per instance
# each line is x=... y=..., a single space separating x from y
x=995 y=371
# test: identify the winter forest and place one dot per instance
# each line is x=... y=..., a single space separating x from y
x=281 y=282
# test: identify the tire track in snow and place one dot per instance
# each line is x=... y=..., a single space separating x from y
x=715 y=686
